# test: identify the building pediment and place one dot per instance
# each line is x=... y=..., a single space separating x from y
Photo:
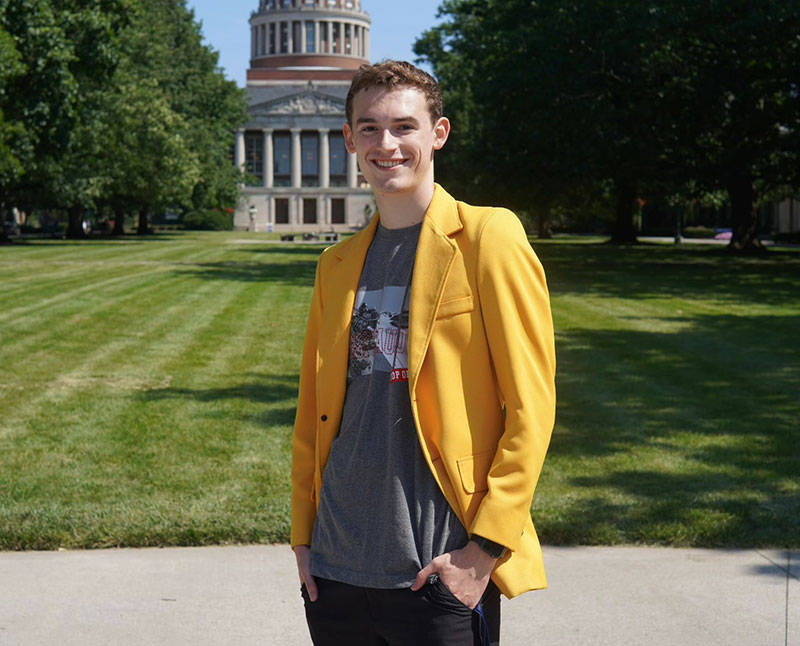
x=306 y=103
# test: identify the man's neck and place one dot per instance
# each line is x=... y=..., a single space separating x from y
x=400 y=210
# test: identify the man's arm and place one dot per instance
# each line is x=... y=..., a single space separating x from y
x=515 y=306
x=303 y=446
x=516 y=311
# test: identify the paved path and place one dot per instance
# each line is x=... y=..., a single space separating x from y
x=249 y=595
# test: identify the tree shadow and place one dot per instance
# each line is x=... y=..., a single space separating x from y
x=277 y=393
x=99 y=241
x=657 y=271
x=297 y=272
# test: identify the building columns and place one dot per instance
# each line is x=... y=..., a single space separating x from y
x=238 y=151
x=352 y=170
x=324 y=159
x=297 y=159
x=269 y=159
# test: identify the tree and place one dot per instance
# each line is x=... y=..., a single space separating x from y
x=11 y=133
x=83 y=64
x=163 y=48
x=555 y=94
x=736 y=82
x=641 y=97
x=68 y=50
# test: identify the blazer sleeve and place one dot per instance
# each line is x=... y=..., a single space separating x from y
x=305 y=427
x=515 y=306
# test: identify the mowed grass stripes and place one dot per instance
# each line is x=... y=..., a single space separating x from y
x=147 y=392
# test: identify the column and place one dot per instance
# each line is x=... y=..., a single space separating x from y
x=238 y=154
x=278 y=37
x=352 y=170
x=297 y=160
x=366 y=42
x=324 y=159
x=269 y=159
x=252 y=42
x=323 y=210
x=290 y=36
x=302 y=36
x=317 y=25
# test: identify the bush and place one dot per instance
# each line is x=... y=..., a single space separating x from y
x=697 y=232
x=791 y=237
x=208 y=221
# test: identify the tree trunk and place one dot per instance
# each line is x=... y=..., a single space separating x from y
x=143 y=228
x=543 y=226
x=624 y=230
x=745 y=215
x=4 y=237
x=119 y=222
x=74 y=222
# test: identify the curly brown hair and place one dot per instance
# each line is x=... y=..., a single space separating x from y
x=392 y=74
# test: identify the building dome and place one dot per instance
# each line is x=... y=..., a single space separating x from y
x=308 y=40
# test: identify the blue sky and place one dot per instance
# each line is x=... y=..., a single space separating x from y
x=395 y=27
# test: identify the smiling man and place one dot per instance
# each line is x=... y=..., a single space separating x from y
x=426 y=397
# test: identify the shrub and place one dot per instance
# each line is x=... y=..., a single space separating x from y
x=208 y=221
x=697 y=232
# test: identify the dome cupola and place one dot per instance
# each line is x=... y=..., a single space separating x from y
x=308 y=40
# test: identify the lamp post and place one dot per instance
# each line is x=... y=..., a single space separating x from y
x=252 y=210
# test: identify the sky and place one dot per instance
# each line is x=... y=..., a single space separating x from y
x=395 y=27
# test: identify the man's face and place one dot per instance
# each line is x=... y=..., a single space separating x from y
x=394 y=138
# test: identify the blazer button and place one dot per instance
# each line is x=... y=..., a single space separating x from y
x=324 y=418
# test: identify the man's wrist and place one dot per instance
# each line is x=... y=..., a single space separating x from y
x=495 y=550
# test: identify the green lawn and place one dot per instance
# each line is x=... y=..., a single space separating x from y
x=147 y=393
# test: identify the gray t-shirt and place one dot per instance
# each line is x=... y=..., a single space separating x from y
x=381 y=516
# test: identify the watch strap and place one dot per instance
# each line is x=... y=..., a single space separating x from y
x=495 y=550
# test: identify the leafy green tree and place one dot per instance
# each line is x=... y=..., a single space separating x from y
x=151 y=164
x=554 y=94
x=644 y=98
x=11 y=133
x=68 y=50
x=163 y=48
x=734 y=81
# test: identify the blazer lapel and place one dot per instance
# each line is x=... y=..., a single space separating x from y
x=436 y=251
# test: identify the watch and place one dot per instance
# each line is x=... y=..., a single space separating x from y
x=495 y=550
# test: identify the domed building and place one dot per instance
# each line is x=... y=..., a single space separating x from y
x=304 y=54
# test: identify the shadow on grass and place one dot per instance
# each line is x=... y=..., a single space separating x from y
x=277 y=393
x=659 y=271
x=98 y=241
x=681 y=438
x=296 y=272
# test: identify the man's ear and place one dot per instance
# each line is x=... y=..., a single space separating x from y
x=441 y=130
x=348 y=139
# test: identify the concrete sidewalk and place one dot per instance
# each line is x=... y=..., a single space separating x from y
x=250 y=595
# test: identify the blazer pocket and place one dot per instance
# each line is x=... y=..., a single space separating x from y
x=473 y=470
x=455 y=306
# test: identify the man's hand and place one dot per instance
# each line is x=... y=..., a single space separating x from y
x=303 y=555
x=465 y=572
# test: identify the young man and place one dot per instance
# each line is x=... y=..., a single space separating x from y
x=426 y=397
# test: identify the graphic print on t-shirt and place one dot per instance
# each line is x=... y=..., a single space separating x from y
x=379 y=334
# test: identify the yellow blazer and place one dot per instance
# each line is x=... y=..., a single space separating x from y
x=481 y=365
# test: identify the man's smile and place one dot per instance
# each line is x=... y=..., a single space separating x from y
x=388 y=163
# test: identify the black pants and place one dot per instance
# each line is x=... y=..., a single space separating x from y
x=347 y=615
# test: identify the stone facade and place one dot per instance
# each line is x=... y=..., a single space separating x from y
x=300 y=177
